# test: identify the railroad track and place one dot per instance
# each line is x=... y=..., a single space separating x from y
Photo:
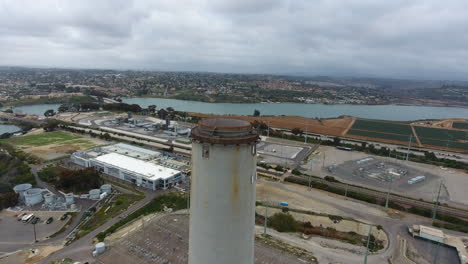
x=392 y=197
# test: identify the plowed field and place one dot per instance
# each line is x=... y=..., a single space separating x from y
x=334 y=127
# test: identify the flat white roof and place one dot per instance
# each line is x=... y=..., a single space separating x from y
x=431 y=231
x=148 y=170
x=131 y=150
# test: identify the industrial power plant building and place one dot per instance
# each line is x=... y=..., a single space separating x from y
x=143 y=167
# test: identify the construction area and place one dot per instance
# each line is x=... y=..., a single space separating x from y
x=385 y=174
x=164 y=239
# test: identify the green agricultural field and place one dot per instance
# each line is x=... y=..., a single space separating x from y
x=371 y=134
x=440 y=133
x=382 y=126
x=42 y=139
x=444 y=143
x=460 y=125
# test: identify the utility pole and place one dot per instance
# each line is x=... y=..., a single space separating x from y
x=323 y=162
x=305 y=136
x=388 y=192
x=268 y=129
x=409 y=145
x=367 y=246
x=434 y=212
x=310 y=174
x=265 y=221
x=188 y=194
x=346 y=191
x=35 y=238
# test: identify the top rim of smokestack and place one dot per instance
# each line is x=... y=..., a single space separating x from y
x=224 y=131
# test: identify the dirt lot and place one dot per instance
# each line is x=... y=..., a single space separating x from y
x=165 y=240
x=57 y=148
x=344 y=225
x=299 y=197
x=334 y=126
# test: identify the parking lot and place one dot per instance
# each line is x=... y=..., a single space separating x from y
x=383 y=174
x=15 y=234
x=165 y=240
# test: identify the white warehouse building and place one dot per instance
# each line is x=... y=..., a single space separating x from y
x=142 y=167
x=139 y=172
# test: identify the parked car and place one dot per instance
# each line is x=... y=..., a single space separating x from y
x=19 y=217
x=50 y=220
x=35 y=220
x=65 y=216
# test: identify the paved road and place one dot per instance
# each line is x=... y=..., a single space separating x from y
x=80 y=250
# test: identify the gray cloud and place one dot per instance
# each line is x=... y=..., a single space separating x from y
x=418 y=39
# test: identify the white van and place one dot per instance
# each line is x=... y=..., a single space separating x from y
x=27 y=218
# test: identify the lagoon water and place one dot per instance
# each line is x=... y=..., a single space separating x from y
x=36 y=109
x=385 y=112
x=8 y=129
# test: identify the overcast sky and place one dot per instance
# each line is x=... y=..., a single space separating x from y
x=386 y=38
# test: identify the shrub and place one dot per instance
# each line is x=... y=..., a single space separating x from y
x=283 y=222
x=296 y=172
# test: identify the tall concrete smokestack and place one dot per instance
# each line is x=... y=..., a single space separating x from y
x=222 y=200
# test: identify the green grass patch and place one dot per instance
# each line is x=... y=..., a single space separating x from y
x=107 y=211
x=382 y=126
x=43 y=139
x=440 y=134
x=444 y=143
x=372 y=134
x=460 y=125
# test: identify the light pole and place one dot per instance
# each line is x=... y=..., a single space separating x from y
x=409 y=145
x=367 y=245
x=268 y=129
x=265 y=221
x=434 y=212
x=305 y=136
x=34 y=228
x=388 y=192
x=310 y=174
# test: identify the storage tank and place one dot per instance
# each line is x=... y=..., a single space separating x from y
x=100 y=248
x=106 y=188
x=33 y=196
x=94 y=194
x=49 y=198
x=222 y=212
x=69 y=199
x=21 y=188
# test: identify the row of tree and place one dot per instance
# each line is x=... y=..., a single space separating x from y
x=76 y=181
